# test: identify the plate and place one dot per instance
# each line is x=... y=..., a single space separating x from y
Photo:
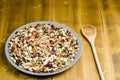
x=49 y=73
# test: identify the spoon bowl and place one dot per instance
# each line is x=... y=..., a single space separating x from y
x=89 y=32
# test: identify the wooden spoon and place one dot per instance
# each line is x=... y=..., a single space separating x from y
x=89 y=32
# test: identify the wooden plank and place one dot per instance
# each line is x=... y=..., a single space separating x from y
x=112 y=21
x=63 y=12
x=84 y=12
x=91 y=15
x=13 y=14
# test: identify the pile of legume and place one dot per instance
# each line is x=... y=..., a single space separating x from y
x=43 y=48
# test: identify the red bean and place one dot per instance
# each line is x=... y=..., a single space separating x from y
x=51 y=41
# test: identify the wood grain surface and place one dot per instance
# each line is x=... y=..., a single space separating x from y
x=104 y=14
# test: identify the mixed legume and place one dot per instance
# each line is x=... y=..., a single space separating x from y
x=43 y=48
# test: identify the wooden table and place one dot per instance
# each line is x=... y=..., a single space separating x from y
x=104 y=14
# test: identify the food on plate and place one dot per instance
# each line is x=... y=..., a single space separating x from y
x=43 y=48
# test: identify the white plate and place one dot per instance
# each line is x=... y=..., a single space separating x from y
x=43 y=74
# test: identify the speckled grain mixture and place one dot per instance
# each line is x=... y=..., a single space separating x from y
x=43 y=48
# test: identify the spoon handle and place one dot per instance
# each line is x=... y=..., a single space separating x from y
x=97 y=62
